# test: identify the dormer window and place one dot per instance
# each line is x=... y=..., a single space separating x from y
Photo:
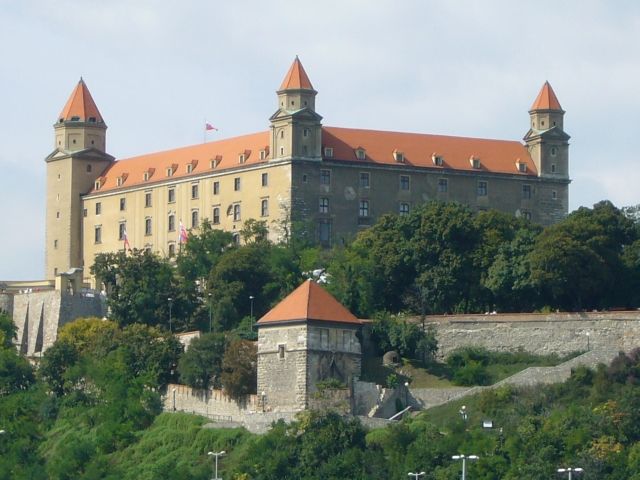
x=241 y=158
x=522 y=167
x=92 y=119
x=263 y=154
x=148 y=174
x=475 y=162
x=398 y=156
x=328 y=152
x=97 y=185
x=189 y=168
x=215 y=161
x=437 y=160
x=121 y=179
x=361 y=154
x=169 y=171
x=75 y=119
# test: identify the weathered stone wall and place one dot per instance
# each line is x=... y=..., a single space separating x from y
x=38 y=315
x=210 y=403
x=559 y=333
x=282 y=365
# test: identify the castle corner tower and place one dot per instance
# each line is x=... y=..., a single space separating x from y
x=296 y=131
x=76 y=162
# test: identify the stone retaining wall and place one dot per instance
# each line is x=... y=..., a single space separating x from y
x=559 y=333
x=210 y=403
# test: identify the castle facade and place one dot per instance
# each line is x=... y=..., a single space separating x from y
x=332 y=181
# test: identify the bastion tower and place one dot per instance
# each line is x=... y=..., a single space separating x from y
x=78 y=159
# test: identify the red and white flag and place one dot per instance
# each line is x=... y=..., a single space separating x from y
x=182 y=234
x=208 y=126
x=127 y=246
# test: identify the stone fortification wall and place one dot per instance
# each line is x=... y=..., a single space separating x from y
x=39 y=314
x=211 y=403
x=559 y=333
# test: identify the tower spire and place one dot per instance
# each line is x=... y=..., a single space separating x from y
x=80 y=106
x=296 y=78
x=546 y=99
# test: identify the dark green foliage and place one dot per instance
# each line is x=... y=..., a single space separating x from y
x=391 y=332
x=8 y=330
x=240 y=368
x=201 y=365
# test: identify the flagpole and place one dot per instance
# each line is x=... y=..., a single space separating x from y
x=204 y=134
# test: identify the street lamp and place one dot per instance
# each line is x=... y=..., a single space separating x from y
x=588 y=341
x=251 y=317
x=216 y=454
x=570 y=470
x=463 y=412
x=464 y=459
x=170 y=300
x=416 y=475
x=210 y=322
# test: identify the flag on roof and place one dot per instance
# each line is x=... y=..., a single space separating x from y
x=208 y=126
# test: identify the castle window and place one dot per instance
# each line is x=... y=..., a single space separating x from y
x=263 y=154
x=119 y=181
x=475 y=162
x=123 y=204
x=328 y=152
x=542 y=123
x=526 y=192
x=305 y=132
x=361 y=154
x=482 y=188
x=324 y=231
x=147 y=199
x=404 y=209
x=84 y=212
x=98 y=208
x=553 y=168
x=363 y=209
x=443 y=185
x=323 y=205
x=554 y=151
x=264 y=207
x=236 y=184
x=437 y=160
x=145 y=176
x=189 y=168
x=325 y=177
x=89 y=168
x=59 y=176
x=169 y=172
x=304 y=178
x=92 y=119
x=57 y=214
x=147 y=226
x=281 y=133
x=96 y=185
x=522 y=167
x=75 y=119
x=97 y=234
x=55 y=244
x=364 y=179
x=171 y=195
x=398 y=156
x=122 y=230
x=74 y=141
x=236 y=212
x=172 y=250
x=92 y=142
x=241 y=158
x=235 y=238
x=265 y=179
x=194 y=219
x=216 y=215
x=171 y=222
x=405 y=182
x=281 y=352
x=216 y=188
x=194 y=191
x=554 y=195
x=281 y=150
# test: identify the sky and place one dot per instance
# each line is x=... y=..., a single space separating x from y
x=158 y=69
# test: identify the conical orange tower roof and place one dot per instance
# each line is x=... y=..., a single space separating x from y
x=81 y=105
x=309 y=302
x=296 y=78
x=546 y=99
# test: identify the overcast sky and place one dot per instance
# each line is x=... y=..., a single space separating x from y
x=157 y=69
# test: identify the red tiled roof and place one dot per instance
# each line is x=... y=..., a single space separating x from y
x=496 y=156
x=81 y=105
x=309 y=302
x=296 y=78
x=546 y=99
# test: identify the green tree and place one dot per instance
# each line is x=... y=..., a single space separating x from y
x=239 y=368
x=8 y=330
x=201 y=365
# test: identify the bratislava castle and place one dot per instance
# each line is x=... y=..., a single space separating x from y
x=332 y=181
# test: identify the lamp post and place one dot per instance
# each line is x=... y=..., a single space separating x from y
x=464 y=459
x=174 y=399
x=463 y=412
x=588 y=342
x=216 y=455
x=570 y=470
x=170 y=300
x=416 y=475
x=210 y=322
x=251 y=317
